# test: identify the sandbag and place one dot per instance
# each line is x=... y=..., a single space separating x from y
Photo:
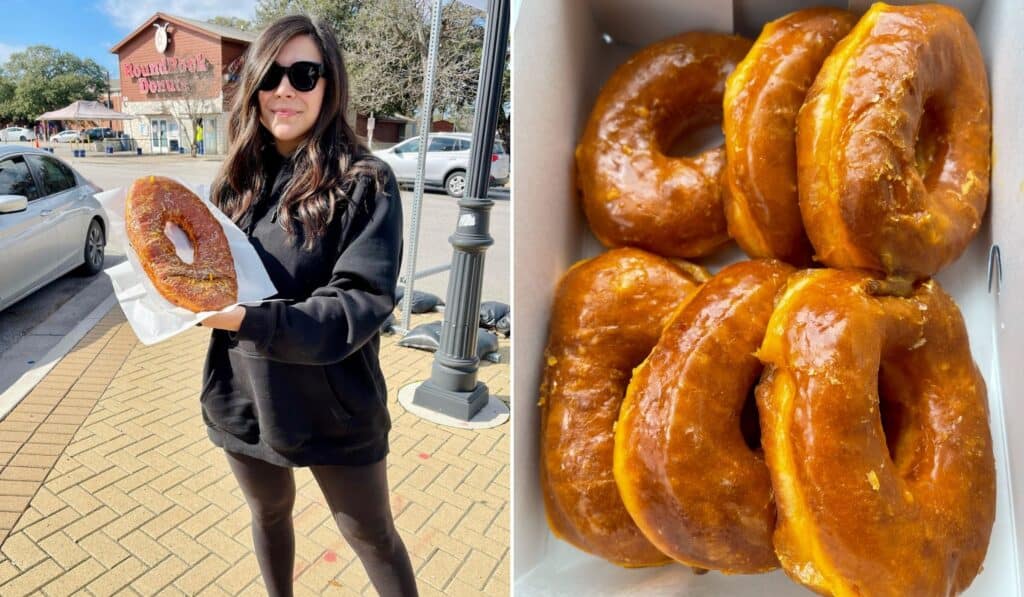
x=427 y=336
x=491 y=312
x=422 y=302
x=385 y=328
x=504 y=325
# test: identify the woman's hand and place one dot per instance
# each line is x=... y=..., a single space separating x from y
x=229 y=320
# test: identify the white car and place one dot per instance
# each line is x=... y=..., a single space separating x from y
x=68 y=136
x=50 y=222
x=447 y=161
x=17 y=133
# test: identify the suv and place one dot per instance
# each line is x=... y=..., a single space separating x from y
x=100 y=133
x=447 y=161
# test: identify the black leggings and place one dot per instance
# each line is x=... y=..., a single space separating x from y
x=358 y=499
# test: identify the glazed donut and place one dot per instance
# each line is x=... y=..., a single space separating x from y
x=762 y=98
x=206 y=284
x=607 y=315
x=633 y=193
x=874 y=423
x=684 y=470
x=893 y=143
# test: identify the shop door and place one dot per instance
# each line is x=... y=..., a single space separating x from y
x=210 y=135
x=158 y=135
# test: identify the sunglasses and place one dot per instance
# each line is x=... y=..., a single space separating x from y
x=302 y=75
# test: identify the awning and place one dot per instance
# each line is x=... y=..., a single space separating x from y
x=85 y=110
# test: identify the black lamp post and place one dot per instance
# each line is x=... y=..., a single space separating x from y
x=453 y=388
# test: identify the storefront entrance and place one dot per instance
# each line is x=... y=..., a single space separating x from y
x=158 y=135
x=210 y=134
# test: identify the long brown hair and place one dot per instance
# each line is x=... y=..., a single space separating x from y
x=321 y=163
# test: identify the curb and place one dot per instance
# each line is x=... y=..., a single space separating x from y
x=13 y=395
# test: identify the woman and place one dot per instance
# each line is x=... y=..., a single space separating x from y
x=297 y=382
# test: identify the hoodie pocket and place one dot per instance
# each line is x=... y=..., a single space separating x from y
x=353 y=385
x=295 y=404
x=225 y=407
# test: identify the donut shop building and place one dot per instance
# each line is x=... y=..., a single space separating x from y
x=175 y=74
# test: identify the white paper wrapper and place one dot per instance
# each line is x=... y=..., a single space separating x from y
x=152 y=317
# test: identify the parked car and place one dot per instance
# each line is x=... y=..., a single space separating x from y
x=17 y=133
x=447 y=161
x=100 y=133
x=50 y=222
x=68 y=136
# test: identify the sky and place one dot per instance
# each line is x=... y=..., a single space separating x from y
x=89 y=28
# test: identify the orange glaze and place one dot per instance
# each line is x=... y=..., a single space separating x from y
x=206 y=284
x=904 y=509
x=762 y=98
x=607 y=315
x=633 y=193
x=893 y=143
x=685 y=473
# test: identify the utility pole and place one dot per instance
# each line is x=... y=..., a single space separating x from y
x=110 y=102
x=426 y=117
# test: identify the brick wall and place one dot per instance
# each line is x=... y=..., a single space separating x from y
x=185 y=43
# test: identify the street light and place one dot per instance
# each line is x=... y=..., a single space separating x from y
x=453 y=388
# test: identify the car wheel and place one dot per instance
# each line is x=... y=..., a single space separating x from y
x=455 y=184
x=95 y=242
x=22 y=138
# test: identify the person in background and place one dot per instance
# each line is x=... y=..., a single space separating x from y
x=297 y=382
x=199 y=136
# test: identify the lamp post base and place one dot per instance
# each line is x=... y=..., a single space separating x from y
x=460 y=405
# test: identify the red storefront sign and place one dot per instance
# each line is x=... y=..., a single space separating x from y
x=165 y=66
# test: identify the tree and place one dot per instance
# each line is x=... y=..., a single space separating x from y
x=386 y=45
x=6 y=91
x=41 y=78
x=235 y=22
x=388 y=48
x=463 y=118
x=339 y=14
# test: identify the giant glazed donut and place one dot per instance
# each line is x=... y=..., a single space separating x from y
x=874 y=423
x=893 y=143
x=694 y=482
x=634 y=193
x=206 y=284
x=762 y=99
x=608 y=313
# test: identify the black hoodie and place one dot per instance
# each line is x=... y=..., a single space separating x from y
x=300 y=383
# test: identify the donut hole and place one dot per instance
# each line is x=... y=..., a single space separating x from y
x=893 y=412
x=750 y=421
x=689 y=134
x=893 y=418
x=182 y=243
x=695 y=141
x=931 y=144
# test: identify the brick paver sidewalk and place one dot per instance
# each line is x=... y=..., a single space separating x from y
x=108 y=485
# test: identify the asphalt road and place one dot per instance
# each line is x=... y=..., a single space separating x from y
x=437 y=219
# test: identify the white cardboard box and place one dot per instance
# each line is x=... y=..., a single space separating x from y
x=559 y=63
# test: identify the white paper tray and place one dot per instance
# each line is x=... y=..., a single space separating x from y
x=559 y=63
x=152 y=317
